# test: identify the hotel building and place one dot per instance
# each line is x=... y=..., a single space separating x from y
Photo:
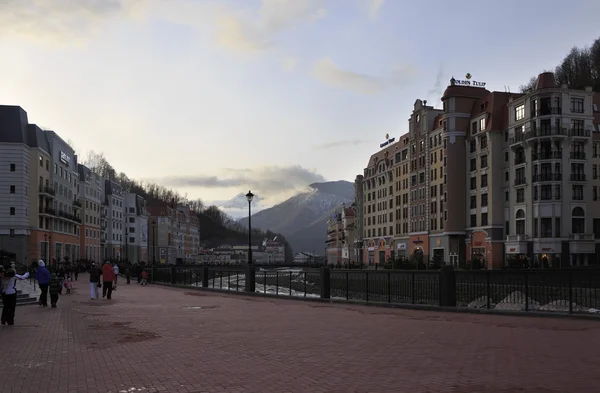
x=64 y=244
x=494 y=178
x=116 y=236
x=93 y=202
x=136 y=224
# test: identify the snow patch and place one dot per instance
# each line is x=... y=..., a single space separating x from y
x=560 y=306
x=480 y=302
x=516 y=301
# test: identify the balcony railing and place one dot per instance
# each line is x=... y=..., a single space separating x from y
x=516 y=238
x=546 y=111
x=582 y=236
x=517 y=137
x=548 y=131
x=578 y=177
x=76 y=203
x=547 y=177
x=579 y=132
x=520 y=160
x=577 y=155
x=520 y=181
x=547 y=155
x=68 y=216
x=47 y=210
x=47 y=190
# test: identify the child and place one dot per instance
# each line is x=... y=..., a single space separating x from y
x=69 y=285
x=54 y=289
x=144 y=277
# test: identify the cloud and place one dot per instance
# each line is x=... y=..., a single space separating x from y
x=373 y=8
x=236 y=29
x=328 y=72
x=266 y=181
x=437 y=90
x=289 y=63
x=342 y=143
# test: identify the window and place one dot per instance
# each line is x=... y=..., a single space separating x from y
x=13 y=189
x=484 y=219
x=578 y=192
x=472 y=146
x=520 y=112
x=473 y=202
x=546 y=227
x=473 y=220
x=12 y=211
x=484 y=161
x=483 y=142
x=506 y=196
x=13 y=168
x=577 y=105
x=484 y=200
x=578 y=220
x=12 y=233
x=482 y=124
x=41 y=162
x=520 y=219
x=484 y=182
x=556 y=226
x=473 y=164
x=473 y=183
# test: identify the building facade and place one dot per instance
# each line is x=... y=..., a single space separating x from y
x=136 y=223
x=116 y=232
x=94 y=208
x=493 y=180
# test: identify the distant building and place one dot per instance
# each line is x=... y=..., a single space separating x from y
x=274 y=252
x=136 y=223
x=341 y=235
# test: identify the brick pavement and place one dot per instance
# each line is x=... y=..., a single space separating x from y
x=146 y=340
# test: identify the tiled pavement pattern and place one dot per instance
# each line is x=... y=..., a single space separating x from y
x=150 y=339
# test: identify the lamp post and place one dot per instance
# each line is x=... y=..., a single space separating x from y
x=153 y=242
x=126 y=244
x=46 y=247
x=249 y=197
x=49 y=248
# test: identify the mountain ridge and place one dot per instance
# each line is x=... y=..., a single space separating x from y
x=302 y=219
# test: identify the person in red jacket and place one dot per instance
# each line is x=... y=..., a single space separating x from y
x=108 y=278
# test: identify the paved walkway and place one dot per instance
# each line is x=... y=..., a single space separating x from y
x=152 y=339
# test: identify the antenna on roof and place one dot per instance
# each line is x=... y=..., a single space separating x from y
x=509 y=89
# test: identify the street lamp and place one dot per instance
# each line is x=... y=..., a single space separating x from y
x=249 y=197
x=153 y=242
x=46 y=247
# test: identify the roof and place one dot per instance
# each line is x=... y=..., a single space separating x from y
x=464 y=91
x=37 y=138
x=349 y=212
x=13 y=124
x=546 y=80
x=495 y=105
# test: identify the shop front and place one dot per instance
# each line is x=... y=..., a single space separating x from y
x=517 y=251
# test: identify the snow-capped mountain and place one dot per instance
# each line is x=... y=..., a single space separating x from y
x=302 y=219
x=237 y=206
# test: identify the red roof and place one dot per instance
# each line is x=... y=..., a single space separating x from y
x=546 y=80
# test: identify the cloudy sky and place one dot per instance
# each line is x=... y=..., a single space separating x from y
x=216 y=97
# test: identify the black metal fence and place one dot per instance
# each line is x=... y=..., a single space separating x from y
x=562 y=291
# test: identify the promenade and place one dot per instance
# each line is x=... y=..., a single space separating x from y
x=159 y=339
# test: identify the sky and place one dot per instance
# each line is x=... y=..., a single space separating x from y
x=213 y=98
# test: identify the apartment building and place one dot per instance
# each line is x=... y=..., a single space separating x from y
x=136 y=223
x=116 y=233
x=94 y=208
x=188 y=236
x=15 y=185
x=551 y=213
x=274 y=252
x=164 y=235
x=359 y=205
x=402 y=173
x=65 y=244
x=378 y=204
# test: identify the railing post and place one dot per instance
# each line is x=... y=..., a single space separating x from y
x=389 y=287
x=526 y=291
x=447 y=286
x=250 y=279
x=487 y=288
x=204 y=276
x=325 y=283
x=570 y=291
x=152 y=277
x=173 y=275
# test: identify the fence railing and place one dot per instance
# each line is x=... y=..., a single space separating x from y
x=563 y=291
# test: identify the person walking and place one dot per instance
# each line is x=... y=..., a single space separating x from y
x=61 y=275
x=108 y=279
x=8 y=289
x=54 y=288
x=128 y=275
x=116 y=270
x=95 y=274
x=43 y=278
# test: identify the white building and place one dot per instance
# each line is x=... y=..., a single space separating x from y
x=115 y=233
x=136 y=224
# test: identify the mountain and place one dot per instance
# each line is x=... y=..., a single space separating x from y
x=302 y=219
x=237 y=206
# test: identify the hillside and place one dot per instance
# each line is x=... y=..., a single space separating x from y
x=302 y=219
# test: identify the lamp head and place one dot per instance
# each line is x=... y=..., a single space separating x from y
x=249 y=196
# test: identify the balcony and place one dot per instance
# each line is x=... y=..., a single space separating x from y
x=578 y=177
x=577 y=155
x=582 y=236
x=547 y=177
x=76 y=204
x=547 y=132
x=516 y=238
x=547 y=155
x=69 y=216
x=518 y=137
x=47 y=211
x=546 y=111
x=520 y=160
x=520 y=181
x=579 y=133
x=47 y=190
